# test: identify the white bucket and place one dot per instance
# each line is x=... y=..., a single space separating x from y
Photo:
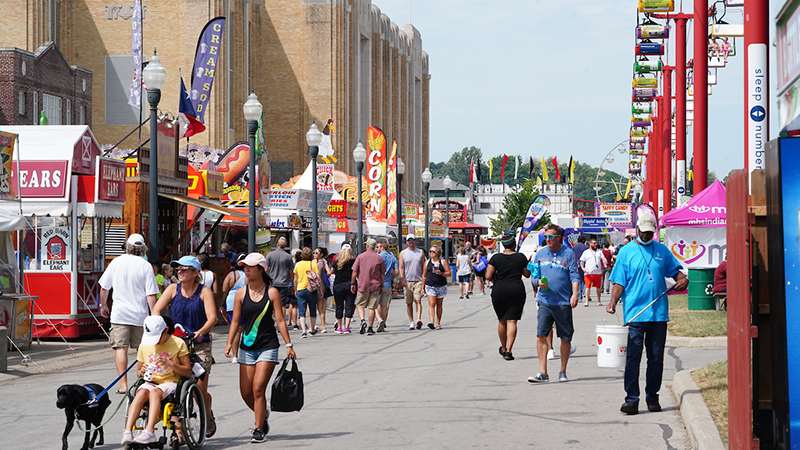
x=612 y=342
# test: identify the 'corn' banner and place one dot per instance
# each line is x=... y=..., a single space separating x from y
x=376 y=173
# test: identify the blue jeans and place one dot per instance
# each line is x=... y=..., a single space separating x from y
x=582 y=287
x=306 y=298
x=652 y=336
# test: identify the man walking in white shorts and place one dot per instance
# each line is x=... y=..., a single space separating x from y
x=412 y=262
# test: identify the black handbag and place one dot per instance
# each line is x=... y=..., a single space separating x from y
x=287 y=390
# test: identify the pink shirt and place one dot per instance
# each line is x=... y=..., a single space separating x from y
x=369 y=269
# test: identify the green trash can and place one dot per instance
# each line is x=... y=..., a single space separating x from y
x=699 y=279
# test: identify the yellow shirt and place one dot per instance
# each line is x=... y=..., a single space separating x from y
x=301 y=269
x=172 y=349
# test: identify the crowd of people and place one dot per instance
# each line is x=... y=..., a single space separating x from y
x=267 y=296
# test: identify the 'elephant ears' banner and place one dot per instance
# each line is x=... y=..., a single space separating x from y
x=376 y=173
x=535 y=212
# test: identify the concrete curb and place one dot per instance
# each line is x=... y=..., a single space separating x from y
x=700 y=427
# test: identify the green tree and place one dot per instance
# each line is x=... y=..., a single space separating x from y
x=515 y=206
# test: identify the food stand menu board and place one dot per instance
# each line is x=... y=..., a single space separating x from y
x=56 y=251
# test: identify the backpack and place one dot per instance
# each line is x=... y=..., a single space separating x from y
x=314 y=281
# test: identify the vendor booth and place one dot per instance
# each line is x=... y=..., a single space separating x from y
x=65 y=192
x=696 y=235
x=696 y=231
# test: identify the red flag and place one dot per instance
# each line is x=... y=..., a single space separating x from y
x=555 y=164
x=471 y=171
x=503 y=167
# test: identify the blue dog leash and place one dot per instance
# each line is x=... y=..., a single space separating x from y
x=95 y=398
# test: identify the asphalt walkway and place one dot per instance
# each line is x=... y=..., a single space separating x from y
x=427 y=389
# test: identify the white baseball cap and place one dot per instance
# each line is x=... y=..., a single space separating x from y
x=646 y=223
x=136 y=239
x=153 y=327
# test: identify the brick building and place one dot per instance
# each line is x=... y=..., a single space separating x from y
x=305 y=59
x=43 y=81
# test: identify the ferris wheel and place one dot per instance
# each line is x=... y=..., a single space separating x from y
x=612 y=172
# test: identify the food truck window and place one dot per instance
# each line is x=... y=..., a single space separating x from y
x=90 y=242
x=46 y=244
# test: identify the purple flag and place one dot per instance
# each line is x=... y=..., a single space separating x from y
x=135 y=91
x=205 y=65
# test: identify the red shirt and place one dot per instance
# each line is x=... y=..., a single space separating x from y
x=607 y=253
x=369 y=269
x=721 y=277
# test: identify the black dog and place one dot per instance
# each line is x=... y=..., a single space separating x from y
x=72 y=398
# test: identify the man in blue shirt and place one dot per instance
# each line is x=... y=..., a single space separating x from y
x=392 y=270
x=558 y=283
x=228 y=253
x=639 y=277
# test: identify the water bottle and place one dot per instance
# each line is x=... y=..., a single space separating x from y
x=27 y=263
x=537 y=271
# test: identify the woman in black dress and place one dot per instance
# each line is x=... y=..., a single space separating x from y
x=508 y=295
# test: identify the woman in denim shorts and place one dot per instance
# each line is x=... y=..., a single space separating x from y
x=253 y=308
x=434 y=278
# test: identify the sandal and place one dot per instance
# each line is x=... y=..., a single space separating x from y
x=121 y=392
x=438 y=327
x=211 y=426
x=176 y=439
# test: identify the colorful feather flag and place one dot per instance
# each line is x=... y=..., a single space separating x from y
x=538 y=180
x=503 y=167
x=478 y=175
x=471 y=171
x=555 y=164
x=530 y=167
x=571 y=170
x=516 y=168
x=628 y=189
x=544 y=170
x=619 y=196
x=491 y=169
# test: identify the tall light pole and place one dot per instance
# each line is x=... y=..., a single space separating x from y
x=154 y=77
x=447 y=183
x=313 y=138
x=252 y=112
x=426 y=182
x=360 y=155
x=401 y=169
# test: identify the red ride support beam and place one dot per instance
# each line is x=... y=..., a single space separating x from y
x=680 y=108
x=647 y=189
x=666 y=140
x=756 y=86
x=656 y=150
x=700 y=141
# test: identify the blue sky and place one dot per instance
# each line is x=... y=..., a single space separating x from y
x=550 y=78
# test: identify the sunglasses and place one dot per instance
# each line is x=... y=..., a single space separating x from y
x=433 y=251
x=183 y=269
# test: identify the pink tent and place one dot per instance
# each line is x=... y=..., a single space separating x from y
x=706 y=209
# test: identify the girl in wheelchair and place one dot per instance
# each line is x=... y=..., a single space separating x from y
x=165 y=358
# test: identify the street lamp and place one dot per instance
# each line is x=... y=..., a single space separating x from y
x=313 y=138
x=252 y=112
x=447 y=183
x=401 y=169
x=154 y=77
x=426 y=181
x=360 y=155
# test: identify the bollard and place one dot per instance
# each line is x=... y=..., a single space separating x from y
x=3 y=349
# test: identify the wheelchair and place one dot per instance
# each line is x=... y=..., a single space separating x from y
x=183 y=410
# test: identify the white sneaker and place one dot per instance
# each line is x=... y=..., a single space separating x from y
x=235 y=360
x=551 y=354
x=572 y=349
x=146 y=437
